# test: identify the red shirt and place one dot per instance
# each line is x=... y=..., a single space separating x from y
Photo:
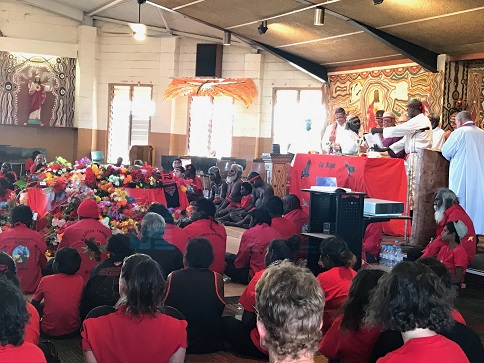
x=28 y=163
x=120 y=337
x=453 y=258
x=372 y=239
x=285 y=227
x=176 y=236
x=27 y=352
x=452 y=214
x=215 y=233
x=32 y=329
x=75 y=237
x=62 y=298
x=336 y=285
x=253 y=247
x=27 y=247
x=299 y=217
x=352 y=346
x=247 y=300
x=458 y=317
x=419 y=350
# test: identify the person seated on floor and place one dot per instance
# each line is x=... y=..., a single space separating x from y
x=198 y=293
x=40 y=163
x=253 y=246
x=7 y=169
x=237 y=211
x=443 y=273
x=195 y=189
x=88 y=236
x=348 y=340
x=173 y=234
x=179 y=172
x=14 y=317
x=447 y=209
x=289 y=305
x=26 y=246
x=465 y=337
x=452 y=254
x=205 y=225
x=275 y=207
x=5 y=191
x=336 y=259
x=261 y=191
x=243 y=336
x=413 y=301
x=234 y=182
x=103 y=285
x=31 y=161
x=372 y=242
x=8 y=271
x=293 y=212
x=218 y=187
x=61 y=295
x=152 y=243
x=139 y=329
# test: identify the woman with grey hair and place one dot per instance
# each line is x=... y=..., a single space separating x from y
x=152 y=243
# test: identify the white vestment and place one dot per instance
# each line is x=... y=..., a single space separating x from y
x=417 y=134
x=465 y=150
x=438 y=138
x=347 y=139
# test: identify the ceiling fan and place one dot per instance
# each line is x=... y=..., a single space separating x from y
x=139 y=29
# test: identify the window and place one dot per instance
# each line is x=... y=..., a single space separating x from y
x=130 y=110
x=211 y=124
x=296 y=111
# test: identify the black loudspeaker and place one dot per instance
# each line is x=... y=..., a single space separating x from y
x=209 y=60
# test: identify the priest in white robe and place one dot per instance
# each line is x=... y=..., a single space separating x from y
x=465 y=150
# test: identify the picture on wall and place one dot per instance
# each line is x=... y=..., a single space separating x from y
x=36 y=90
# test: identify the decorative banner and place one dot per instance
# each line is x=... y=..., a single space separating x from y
x=241 y=89
x=36 y=90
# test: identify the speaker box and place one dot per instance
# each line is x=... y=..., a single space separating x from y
x=209 y=60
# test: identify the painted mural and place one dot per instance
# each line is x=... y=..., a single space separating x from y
x=36 y=90
x=475 y=95
x=363 y=93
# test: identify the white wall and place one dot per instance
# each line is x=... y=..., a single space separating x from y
x=122 y=59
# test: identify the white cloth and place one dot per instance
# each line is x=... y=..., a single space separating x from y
x=413 y=139
x=465 y=150
x=347 y=139
x=438 y=138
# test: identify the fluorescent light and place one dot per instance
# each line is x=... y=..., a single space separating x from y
x=139 y=30
x=319 y=16
x=227 y=37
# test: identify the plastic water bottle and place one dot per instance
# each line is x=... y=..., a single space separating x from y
x=392 y=256
x=239 y=312
x=382 y=248
x=399 y=255
x=385 y=256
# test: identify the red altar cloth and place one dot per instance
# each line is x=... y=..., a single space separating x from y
x=382 y=178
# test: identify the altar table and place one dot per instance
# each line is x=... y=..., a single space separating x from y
x=382 y=178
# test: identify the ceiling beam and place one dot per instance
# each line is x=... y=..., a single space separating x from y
x=57 y=8
x=105 y=7
x=314 y=70
x=420 y=55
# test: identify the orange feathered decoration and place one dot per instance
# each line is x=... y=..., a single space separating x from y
x=242 y=89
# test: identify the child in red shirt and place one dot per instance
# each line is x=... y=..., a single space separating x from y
x=452 y=254
x=337 y=260
x=413 y=300
x=26 y=246
x=61 y=294
x=349 y=340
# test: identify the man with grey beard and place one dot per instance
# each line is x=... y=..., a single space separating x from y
x=447 y=209
x=234 y=182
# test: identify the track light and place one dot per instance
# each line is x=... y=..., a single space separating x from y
x=377 y=2
x=227 y=37
x=262 y=27
x=319 y=16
